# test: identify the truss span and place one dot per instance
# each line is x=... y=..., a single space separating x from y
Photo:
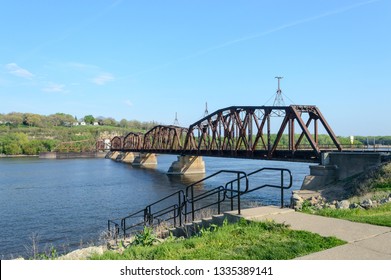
x=259 y=132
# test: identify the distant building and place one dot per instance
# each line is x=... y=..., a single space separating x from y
x=95 y=123
x=82 y=123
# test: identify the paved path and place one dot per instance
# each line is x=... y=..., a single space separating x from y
x=365 y=242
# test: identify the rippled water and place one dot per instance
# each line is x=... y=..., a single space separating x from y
x=66 y=203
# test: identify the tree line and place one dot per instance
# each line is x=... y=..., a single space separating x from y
x=31 y=134
x=16 y=119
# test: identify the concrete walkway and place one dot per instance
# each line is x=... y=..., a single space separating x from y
x=365 y=242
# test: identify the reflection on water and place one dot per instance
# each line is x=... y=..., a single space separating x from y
x=67 y=203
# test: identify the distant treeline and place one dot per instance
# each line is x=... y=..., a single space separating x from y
x=60 y=119
x=30 y=134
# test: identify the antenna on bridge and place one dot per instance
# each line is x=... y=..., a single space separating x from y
x=176 y=122
x=279 y=100
x=206 y=110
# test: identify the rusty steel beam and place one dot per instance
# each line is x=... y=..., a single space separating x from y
x=238 y=131
x=117 y=143
x=133 y=141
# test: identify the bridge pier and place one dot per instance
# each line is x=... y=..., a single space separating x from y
x=129 y=157
x=114 y=155
x=187 y=165
x=339 y=166
x=145 y=159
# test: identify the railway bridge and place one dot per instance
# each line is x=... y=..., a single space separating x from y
x=289 y=133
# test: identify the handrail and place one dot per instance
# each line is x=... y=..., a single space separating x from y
x=184 y=198
x=181 y=199
x=148 y=215
x=124 y=228
x=281 y=186
x=220 y=191
x=190 y=198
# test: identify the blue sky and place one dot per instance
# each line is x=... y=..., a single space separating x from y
x=147 y=60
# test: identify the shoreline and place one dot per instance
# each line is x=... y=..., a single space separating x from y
x=18 y=156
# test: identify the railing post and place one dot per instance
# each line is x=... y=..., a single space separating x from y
x=238 y=194
x=179 y=209
x=218 y=205
x=192 y=203
x=145 y=216
x=185 y=210
x=282 y=188
x=232 y=196
x=116 y=233
x=124 y=227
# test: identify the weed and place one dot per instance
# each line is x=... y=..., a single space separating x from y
x=145 y=238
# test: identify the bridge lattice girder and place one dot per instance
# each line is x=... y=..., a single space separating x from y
x=133 y=141
x=248 y=128
x=168 y=138
x=117 y=143
x=238 y=131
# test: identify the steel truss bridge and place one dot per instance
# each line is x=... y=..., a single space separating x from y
x=256 y=132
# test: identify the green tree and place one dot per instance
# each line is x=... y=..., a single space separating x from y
x=60 y=119
x=124 y=123
x=110 y=122
x=32 y=120
x=89 y=119
x=14 y=118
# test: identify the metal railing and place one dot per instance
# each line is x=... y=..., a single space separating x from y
x=177 y=207
x=220 y=191
x=282 y=186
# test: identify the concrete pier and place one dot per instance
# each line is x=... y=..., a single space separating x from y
x=129 y=157
x=187 y=165
x=145 y=159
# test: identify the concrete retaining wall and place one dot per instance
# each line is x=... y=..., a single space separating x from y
x=339 y=166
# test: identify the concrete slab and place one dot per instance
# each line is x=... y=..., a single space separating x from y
x=365 y=241
x=342 y=229
x=380 y=243
x=259 y=212
x=347 y=252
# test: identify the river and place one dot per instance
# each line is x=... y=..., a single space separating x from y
x=66 y=203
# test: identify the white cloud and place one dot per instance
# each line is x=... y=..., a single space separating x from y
x=52 y=87
x=129 y=103
x=103 y=79
x=16 y=70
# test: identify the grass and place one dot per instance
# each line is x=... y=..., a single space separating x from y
x=375 y=179
x=240 y=241
x=380 y=216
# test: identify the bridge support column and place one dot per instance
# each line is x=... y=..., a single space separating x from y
x=187 y=165
x=114 y=155
x=145 y=159
x=129 y=157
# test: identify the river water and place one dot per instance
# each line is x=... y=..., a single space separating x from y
x=66 y=203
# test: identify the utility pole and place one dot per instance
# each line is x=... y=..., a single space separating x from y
x=206 y=109
x=176 y=122
x=279 y=100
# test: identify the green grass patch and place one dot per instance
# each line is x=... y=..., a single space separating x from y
x=240 y=241
x=380 y=216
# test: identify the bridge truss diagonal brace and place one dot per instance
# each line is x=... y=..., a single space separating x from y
x=306 y=132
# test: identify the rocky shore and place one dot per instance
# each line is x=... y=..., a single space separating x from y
x=301 y=199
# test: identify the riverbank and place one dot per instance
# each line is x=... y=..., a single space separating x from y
x=71 y=155
x=18 y=156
